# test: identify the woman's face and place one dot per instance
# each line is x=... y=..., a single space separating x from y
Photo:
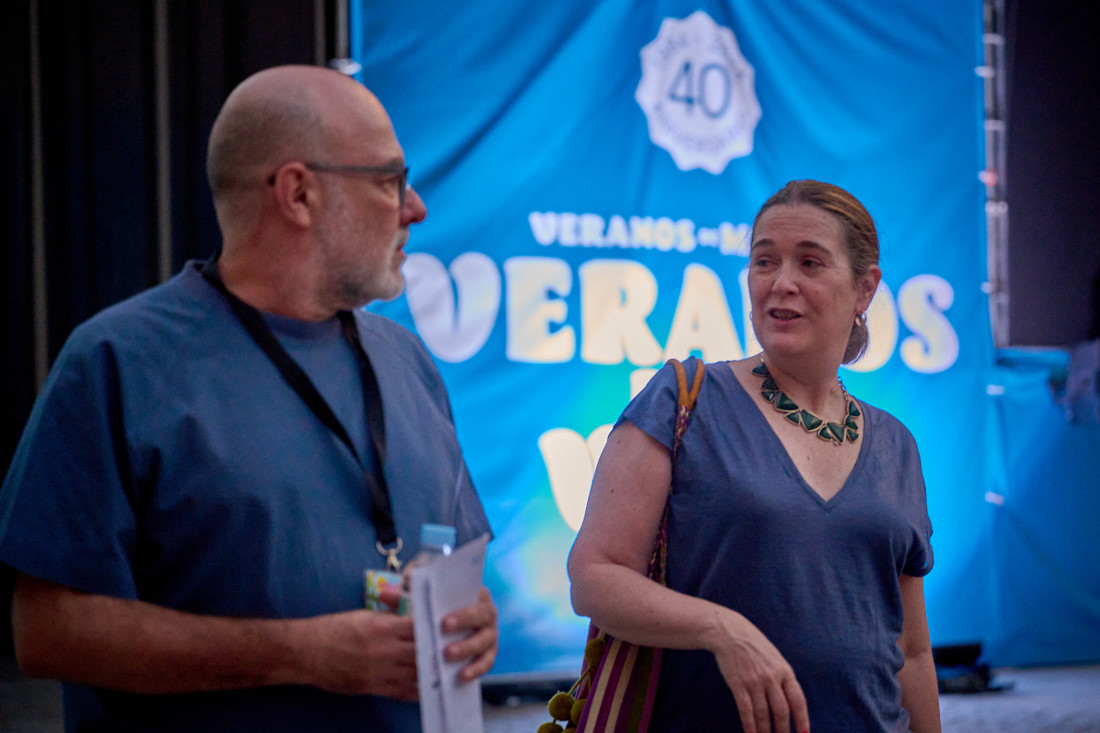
x=804 y=295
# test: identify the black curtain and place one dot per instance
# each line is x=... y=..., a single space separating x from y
x=16 y=336
x=1053 y=172
x=96 y=64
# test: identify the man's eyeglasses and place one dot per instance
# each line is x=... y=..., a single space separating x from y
x=401 y=171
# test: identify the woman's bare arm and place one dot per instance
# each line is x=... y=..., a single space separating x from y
x=608 y=566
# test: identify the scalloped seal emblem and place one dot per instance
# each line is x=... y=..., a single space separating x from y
x=697 y=92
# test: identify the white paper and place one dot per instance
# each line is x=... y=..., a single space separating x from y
x=447 y=705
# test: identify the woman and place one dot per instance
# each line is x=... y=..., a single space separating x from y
x=796 y=548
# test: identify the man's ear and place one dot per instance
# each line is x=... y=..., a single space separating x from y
x=296 y=193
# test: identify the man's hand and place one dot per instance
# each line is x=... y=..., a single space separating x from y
x=480 y=646
x=361 y=652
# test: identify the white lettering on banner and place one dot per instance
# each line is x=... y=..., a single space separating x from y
x=591 y=230
x=616 y=298
x=882 y=323
x=568 y=235
x=453 y=331
x=703 y=319
x=531 y=312
x=616 y=235
x=571 y=462
x=663 y=234
x=934 y=345
x=544 y=227
x=571 y=459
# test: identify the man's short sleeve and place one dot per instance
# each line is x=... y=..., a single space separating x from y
x=65 y=506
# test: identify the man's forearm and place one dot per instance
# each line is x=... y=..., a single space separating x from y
x=140 y=647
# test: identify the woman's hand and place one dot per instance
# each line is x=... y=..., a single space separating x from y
x=608 y=566
x=762 y=682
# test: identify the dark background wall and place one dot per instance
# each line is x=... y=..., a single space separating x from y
x=1053 y=172
x=95 y=66
x=97 y=76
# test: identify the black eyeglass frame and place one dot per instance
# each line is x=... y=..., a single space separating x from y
x=402 y=171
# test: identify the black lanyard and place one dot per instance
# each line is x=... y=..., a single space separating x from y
x=389 y=544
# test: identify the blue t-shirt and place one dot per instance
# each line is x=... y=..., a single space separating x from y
x=818 y=578
x=167 y=460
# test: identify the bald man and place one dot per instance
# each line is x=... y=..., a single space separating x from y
x=189 y=528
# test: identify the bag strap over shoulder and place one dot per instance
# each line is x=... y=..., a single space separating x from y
x=687 y=397
x=618 y=682
x=685 y=403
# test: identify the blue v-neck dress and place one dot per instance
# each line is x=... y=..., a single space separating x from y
x=819 y=578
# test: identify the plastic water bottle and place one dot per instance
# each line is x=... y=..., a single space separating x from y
x=436 y=540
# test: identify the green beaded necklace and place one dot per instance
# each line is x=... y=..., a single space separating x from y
x=811 y=423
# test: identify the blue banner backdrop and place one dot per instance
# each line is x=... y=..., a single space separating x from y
x=590 y=170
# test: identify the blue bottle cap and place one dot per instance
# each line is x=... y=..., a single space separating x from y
x=437 y=535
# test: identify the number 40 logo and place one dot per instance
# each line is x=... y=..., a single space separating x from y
x=697 y=93
x=690 y=88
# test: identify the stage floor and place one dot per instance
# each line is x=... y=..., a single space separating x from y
x=1041 y=700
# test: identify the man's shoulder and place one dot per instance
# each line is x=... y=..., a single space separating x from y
x=396 y=339
x=396 y=350
x=383 y=326
x=168 y=314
